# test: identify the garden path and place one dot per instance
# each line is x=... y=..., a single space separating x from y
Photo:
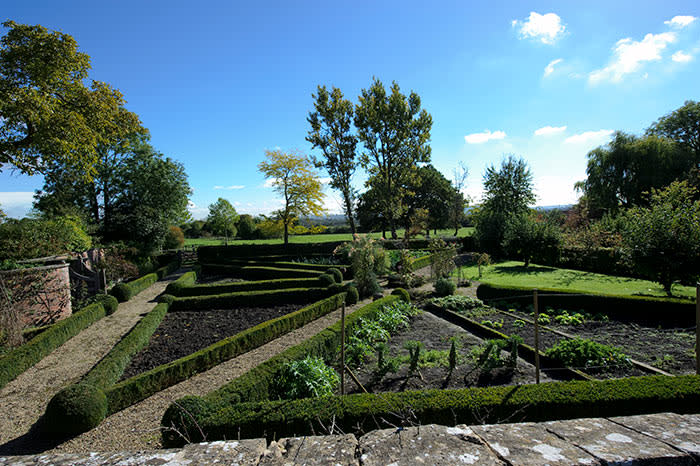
x=24 y=399
x=138 y=427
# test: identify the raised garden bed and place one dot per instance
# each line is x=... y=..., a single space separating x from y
x=185 y=332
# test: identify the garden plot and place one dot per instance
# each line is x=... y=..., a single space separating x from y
x=392 y=371
x=185 y=332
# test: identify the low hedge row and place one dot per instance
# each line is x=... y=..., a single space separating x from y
x=647 y=309
x=255 y=385
x=125 y=291
x=82 y=406
x=363 y=412
x=258 y=272
x=186 y=285
x=144 y=385
x=22 y=358
x=420 y=262
x=282 y=264
x=225 y=253
x=253 y=298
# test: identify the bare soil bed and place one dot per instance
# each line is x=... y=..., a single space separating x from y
x=435 y=334
x=185 y=332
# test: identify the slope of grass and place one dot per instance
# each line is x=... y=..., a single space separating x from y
x=321 y=238
x=536 y=276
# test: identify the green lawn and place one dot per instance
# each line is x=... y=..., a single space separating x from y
x=537 y=276
x=321 y=238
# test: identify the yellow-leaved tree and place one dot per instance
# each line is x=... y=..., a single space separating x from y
x=293 y=177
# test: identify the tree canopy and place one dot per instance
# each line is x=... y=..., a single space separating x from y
x=395 y=132
x=223 y=218
x=47 y=114
x=431 y=192
x=681 y=125
x=331 y=131
x=293 y=177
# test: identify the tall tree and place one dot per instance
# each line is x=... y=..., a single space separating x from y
x=508 y=191
x=331 y=131
x=47 y=114
x=433 y=193
x=395 y=133
x=293 y=177
x=681 y=125
x=620 y=172
x=458 y=202
x=223 y=217
x=369 y=213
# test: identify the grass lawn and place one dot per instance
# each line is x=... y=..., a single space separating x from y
x=321 y=238
x=536 y=276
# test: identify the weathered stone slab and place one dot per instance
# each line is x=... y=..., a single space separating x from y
x=615 y=444
x=429 y=444
x=682 y=432
x=322 y=450
x=529 y=443
x=242 y=452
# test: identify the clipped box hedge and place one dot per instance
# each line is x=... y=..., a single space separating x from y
x=420 y=262
x=144 y=385
x=23 y=357
x=670 y=311
x=255 y=385
x=213 y=254
x=255 y=272
x=253 y=298
x=363 y=412
x=125 y=291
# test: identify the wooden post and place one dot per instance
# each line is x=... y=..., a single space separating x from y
x=697 y=328
x=342 y=349
x=537 y=336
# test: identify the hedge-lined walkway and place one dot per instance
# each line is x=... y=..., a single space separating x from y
x=138 y=427
x=24 y=399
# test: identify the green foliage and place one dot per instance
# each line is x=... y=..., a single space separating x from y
x=458 y=303
x=404 y=131
x=23 y=357
x=432 y=195
x=405 y=296
x=445 y=287
x=532 y=237
x=331 y=132
x=337 y=274
x=519 y=323
x=442 y=258
x=494 y=324
x=662 y=241
x=75 y=409
x=306 y=378
x=414 y=352
x=489 y=355
x=251 y=298
x=682 y=125
x=365 y=257
x=223 y=218
x=353 y=296
x=452 y=358
x=174 y=238
x=125 y=291
x=326 y=279
x=31 y=238
x=294 y=179
x=185 y=286
x=508 y=191
x=49 y=115
x=254 y=272
x=247 y=228
x=582 y=353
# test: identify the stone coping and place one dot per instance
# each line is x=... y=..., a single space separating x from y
x=655 y=439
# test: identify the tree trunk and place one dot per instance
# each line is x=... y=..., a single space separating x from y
x=392 y=226
x=383 y=233
x=226 y=236
x=286 y=233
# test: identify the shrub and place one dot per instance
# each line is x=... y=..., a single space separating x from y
x=457 y=303
x=445 y=287
x=353 y=296
x=30 y=238
x=580 y=352
x=363 y=257
x=174 y=238
x=309 y=377
x=326 y=279
x=403 y=294
x=489 y=356
x=531 y=237
x=337 y=274
x=75 y=409
x=442 y=258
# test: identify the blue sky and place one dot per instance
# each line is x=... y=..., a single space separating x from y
x=217 y=83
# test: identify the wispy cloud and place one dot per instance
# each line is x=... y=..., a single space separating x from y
x=234 y=186
x=549 y=69
x=590 y=137
x=546 y=28
x=326 y=180
x=269 y=183
x=549 y=130
x=680 y=21
x=480 y=138
x=629 y=56
x=681 y=57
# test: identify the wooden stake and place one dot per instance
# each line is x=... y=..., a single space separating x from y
x=697 y=328
x=537 y=336
x=342 y=350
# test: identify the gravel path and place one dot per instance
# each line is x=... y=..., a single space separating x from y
x=24 y=399
x=138 y=427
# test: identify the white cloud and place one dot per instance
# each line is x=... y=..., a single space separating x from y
x=325 y=180
x=556 y=189
x=480 y=138
x=680 y=21
x=235 y=186
x=545 y=28
x=629 y=55
x=549 y=69
x=590 y=137
x=549 y=130
x=269 y=183
x=681 y=57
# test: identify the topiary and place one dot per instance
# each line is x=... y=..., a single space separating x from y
x=75 y=409
x=326 y=280
x=166 y=298
x=403 y=293
x=352 y=296
x=444 y=287
x=337 y=274
x=110 y=303
x=122 y=292
x=180 y=421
